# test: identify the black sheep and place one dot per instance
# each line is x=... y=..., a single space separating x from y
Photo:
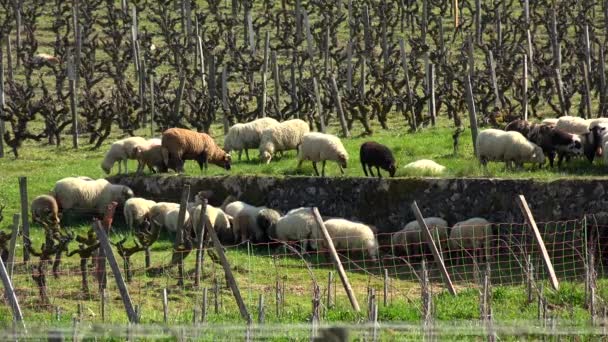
x=378 y=155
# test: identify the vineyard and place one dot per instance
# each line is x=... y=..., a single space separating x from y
x=418 y=76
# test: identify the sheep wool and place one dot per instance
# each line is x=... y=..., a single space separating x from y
x=550 y=121
x=120 y=151
x=151 y=156
x=158 y=213
x=412 y=239
x=218 y=219
x=298 y=225
x=183 y=144
x=512 y=146
x=89 y=195
x=245 y=136
x=45 y=210
x=282 y=137
x=573 y=124
x=425 y=166
x=135 y=210
x=246 y=225
x=470 y=234
x=347 y=234
x=318 y=147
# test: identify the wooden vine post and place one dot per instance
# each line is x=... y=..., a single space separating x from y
x=336 y=260
x=523 y=205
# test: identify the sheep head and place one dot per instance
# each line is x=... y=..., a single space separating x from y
x=265 y=157
x=392 y=168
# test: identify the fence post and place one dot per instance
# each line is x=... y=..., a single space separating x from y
x=523 y=205
x=24 y=215
x=525 y=94
x=179 y=236
x=431 y=92
x=11 y=253
x=336 y=260
x=436 y=255
x=10 y=293
x=199 y=244
x=122 y=287
x=229 y=276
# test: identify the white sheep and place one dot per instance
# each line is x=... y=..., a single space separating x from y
x=298 y=225
x=412 y=240
x=135 y=210
x=573 y=125
x=550 y=121
x=218 y=219
x=511 y=146
x=425 y=166
x=89 y=195
x=318 y=147
x=245 y=221
x=245 y=136
x=165 y=214
x=121 y=151
x=349 y=235
x=596 y=122
x=470 y=234
x=282 y=137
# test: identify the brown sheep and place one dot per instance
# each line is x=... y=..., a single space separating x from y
x=45 y=210
x=182 y=144
x=151 y=156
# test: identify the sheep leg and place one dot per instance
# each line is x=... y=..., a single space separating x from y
x=314 y=165
x=551 y=156
x=341 y=169
x=240 y=154
x=323 y=169
x=371 y=171
x=246 y=155
x=378 y=171
x=300 y=164
x=364 y=169
x=126 y=169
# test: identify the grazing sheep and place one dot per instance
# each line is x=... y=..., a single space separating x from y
x=349 y=235
x=183 y=144
x=282 y=137
x=151 y=156
x=218 y=219
x=267 y=220
x=89 y=195
x=372 y=154
x=552 y=140
x=425 y=166
x=164 y=214
x=573 y=125
x=597 y=121
x=512 y=146
x=412 y=240
x=318 y=147
x=120 y=151
x=244 y=136
x=135 y=211
x=45 y=210
x=297 y=225
x=470 y=234
x=245 y=221
x=41 y=59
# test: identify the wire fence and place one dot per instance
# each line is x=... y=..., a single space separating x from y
x=285 y=275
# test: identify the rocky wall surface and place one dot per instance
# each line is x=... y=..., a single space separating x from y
x=386 y=202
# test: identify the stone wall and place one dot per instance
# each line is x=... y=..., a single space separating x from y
x=386 y=202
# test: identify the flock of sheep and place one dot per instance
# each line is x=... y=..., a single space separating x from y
x=526 y=142
x=236 y=221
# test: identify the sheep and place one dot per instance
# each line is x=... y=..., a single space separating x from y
x=120 y=151
x=549 y=121
x=244 y=136
x=135 y=211
x=573 y=125
x=347 y=234
x=245 y=221
x=267 y=220
x=552 y=140
x=469 y=235
x=412 y=240
x=41 y=59
x=425 y=166
x=217 y=218
x=297 y=225
x=89 y=195
x=183 y=144
x=318 y=147
x=151 y=156
x=163 y=214
x=282 y=137
x=512 y=146
x=45 y=210
x=372 y=154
